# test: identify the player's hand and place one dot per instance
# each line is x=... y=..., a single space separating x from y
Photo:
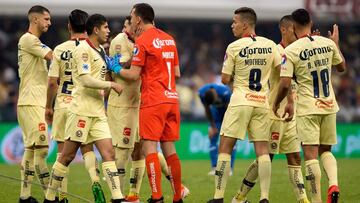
x=117 y=87
x=113 y=63
x=316 y=32
x=275 y=109
x=212 y=132
x=334 y=35
x=289 y=111
x=49 y=113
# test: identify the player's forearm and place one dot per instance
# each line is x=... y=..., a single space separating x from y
x=290 y=97
x=87 y=81
x=51 y=91
x=51 y=94
x=283 y=91
x=209 y=116
x=129 y=74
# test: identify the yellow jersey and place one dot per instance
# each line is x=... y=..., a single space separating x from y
x=88 y=60
x=61 y=67
x=32 y=70
x=274 y=86
x=310 y=59
x=250 y=60
x=130 y=95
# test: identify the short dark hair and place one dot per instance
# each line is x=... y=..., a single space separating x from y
x=38 y=9
x=285 y=20
x=77 y=20
x=248 y=14
x=95 y=20
x=209 y=97
x=145 y=11
x=301 y=17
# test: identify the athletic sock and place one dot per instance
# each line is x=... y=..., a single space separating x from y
x=175 y=175
x=27 y=173
x=90 y=165
x=136 y=175
x=330 y=166
x=249 y=181
x=313 y=178
x=121 y=160
x=59 y=171
x=41 y=167
x=112 y=179
x=221 y=174
x=264 y=175
x=154 y=174
x=297 y=181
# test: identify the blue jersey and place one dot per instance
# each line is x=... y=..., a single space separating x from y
x=218 y=109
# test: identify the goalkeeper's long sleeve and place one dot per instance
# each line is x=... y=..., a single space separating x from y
x=90 y=82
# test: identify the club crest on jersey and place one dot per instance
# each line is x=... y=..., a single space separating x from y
x=85 y=57
x=118 y=48
x=127 y=131
x=42 y=137
x=79 y=133
x=136 y=51
x=81 y=123
x=42 y=127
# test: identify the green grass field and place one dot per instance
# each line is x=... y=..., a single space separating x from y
x=200 y=184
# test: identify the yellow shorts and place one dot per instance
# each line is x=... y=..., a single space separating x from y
x=317 y=129
x=124 y=126
x=32 y=123
x=86 y=129
x=283 y=137
x=58 y=125
x=239 y=119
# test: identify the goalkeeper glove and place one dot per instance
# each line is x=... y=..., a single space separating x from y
x=113 y=63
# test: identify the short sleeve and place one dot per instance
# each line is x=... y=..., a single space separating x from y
x=277 y=57
x=139 y=55
x=54 y=70
x=229 y=62
x=287 y=65
x=34 y=46
x=336 y=55
x=82 y=60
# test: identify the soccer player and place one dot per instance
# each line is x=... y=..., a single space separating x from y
x=86 y=121
x=249 y=60
x=215 y=99
x=283 y=137
x=123 y=110
x=60 y=70
x=32 y=56
x=156 y=61
x=310 y=60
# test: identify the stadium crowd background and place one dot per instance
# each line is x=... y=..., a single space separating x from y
x=201 y=45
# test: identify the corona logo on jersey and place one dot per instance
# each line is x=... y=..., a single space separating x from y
x=307 y=53
x=255 y=97
x=127 y=131
x=158 y=43
x=324 y=104
x=245 y=52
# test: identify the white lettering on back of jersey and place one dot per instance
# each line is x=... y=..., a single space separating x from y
x=168 y=55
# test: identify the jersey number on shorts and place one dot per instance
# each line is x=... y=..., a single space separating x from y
x=254 y=79
x=65 y=87
x=324 y=76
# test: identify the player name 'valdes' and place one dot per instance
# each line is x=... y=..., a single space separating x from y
x=307 y=53
x=245 y=52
